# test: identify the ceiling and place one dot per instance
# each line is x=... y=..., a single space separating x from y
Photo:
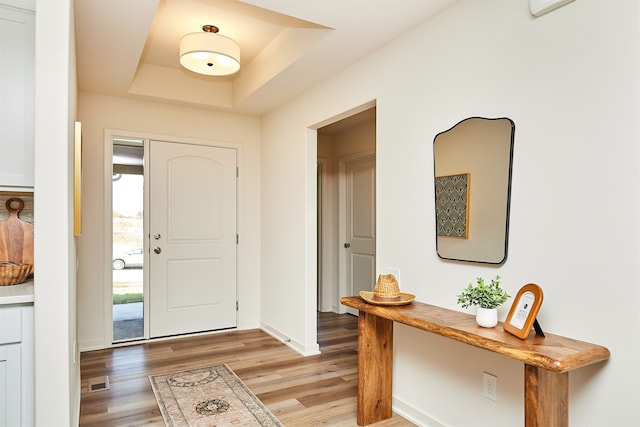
x=129 y=48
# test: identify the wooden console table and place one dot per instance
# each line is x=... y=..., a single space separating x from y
x=548 y=360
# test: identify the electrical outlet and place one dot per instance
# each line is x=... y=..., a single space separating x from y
x=490 y=386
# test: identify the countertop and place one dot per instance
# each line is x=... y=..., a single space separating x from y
x=16 y=294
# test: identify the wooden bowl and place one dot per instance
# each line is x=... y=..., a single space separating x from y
x=12 y=273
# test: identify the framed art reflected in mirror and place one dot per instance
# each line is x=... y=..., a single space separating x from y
x=452 y=200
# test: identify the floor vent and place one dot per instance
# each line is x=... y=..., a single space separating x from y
x=98 y=383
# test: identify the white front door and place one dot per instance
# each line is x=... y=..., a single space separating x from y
x=192 y=238
x=360 y=226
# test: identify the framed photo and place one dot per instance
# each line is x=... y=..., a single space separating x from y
x=524 y=310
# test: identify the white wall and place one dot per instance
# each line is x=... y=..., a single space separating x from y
x=57 y=368
x=569 y=81
x=176 y=123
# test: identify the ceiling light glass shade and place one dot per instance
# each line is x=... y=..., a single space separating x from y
x=210 y=54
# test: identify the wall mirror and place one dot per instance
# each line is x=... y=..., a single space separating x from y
x=472 y=164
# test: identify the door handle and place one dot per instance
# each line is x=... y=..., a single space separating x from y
x=347 y=245
x=157 y=249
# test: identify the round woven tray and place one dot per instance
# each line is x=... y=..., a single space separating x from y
x=12 y=273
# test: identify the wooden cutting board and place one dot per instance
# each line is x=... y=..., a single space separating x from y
x=16 y=235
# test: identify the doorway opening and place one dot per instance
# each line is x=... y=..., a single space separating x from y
x=128 y=239
x=346 y=209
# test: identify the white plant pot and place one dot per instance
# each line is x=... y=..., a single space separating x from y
x=487 y=317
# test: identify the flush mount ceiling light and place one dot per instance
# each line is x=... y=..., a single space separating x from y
x=209 y=53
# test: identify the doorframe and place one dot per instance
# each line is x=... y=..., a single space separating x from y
x=342 y=217
x=108 y=136
x=311 y=220
x=322 y=188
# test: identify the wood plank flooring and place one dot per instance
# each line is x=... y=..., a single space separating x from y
x=301 y=391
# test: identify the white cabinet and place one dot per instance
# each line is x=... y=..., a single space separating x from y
x=16 y=365
x=17 y=81
x=10 y=389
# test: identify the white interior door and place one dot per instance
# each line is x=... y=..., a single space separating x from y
x=360 y=226
x=192 y=231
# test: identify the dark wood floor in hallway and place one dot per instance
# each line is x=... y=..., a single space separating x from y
x=301 y=391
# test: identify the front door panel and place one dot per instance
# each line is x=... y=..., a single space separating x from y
x=192 y=238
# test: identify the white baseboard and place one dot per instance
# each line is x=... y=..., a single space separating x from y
x=90 y=345
x=328 y=308
x=293 y=344
x=414 y=415
x=253 y=324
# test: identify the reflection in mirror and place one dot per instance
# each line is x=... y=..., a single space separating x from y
x=472 y=164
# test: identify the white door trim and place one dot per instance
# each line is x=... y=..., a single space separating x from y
x=107 y=274
x=310 y=345
x=324 y=293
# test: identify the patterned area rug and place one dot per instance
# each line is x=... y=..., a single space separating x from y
x=211 y=397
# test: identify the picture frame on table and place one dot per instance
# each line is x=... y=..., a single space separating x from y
x=522 y=315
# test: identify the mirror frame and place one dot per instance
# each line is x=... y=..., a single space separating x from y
x=466 y=248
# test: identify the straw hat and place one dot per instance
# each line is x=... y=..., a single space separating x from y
x=387 y=292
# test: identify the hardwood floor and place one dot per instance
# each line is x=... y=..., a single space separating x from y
x=301 y=391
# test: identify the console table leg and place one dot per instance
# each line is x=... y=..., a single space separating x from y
x=546 y=398
x=375 y=368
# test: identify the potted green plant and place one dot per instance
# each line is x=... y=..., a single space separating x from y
x=488 y=297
